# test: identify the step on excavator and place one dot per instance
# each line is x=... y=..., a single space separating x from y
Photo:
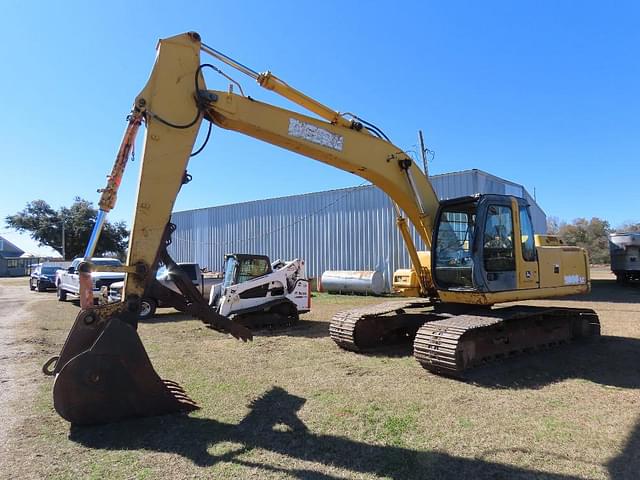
x=478 y=252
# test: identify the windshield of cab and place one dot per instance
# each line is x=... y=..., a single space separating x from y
x=229 y=269
x=252 y=268
x=453 y=261
x=49 y=270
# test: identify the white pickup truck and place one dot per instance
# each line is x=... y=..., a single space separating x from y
x=68 y=281
x=148 y=306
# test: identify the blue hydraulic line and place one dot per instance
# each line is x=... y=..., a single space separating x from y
x=95 y=235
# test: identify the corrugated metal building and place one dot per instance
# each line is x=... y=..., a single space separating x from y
x=346 y=229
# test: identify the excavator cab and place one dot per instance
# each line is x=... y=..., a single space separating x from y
x=479 y=243
x=485 y=251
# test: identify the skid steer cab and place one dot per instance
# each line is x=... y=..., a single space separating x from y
x=257 y=293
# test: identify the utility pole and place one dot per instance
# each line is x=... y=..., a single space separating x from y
x=64 y=251
x=423 y=153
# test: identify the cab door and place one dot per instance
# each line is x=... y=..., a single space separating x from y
x=525 y=249
x=498 y=266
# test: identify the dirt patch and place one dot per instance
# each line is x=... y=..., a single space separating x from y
x=17 y=344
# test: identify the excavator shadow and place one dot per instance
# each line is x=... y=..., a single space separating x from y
x=302 y=328
x=627 y=464
x=607 y=360
x=397 y=349
x=167 y=317
x=605 y=290
x=274 y=426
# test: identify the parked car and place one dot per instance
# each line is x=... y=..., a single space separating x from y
x=148 y=304
x=43 y=277
x=68 y=281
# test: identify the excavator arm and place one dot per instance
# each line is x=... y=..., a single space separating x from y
x=175 y=100
x=103 y=373
x=350 y=149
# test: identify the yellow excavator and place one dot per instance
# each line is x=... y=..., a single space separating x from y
x=480 y=250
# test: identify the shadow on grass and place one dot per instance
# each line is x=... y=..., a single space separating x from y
x=608 y=291
x=304 y=328
x=395 y=349
x=273 y=425
x=607 y=360
x=167 y=317
x=627 y=464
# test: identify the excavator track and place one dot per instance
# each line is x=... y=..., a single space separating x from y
x=453 y=345
x=368 y=327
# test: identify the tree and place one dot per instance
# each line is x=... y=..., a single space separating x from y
x=628 y=227
x=592 y=235
x=553 y=225
x=45 y=225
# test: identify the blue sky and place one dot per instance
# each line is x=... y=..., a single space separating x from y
x=543 y=93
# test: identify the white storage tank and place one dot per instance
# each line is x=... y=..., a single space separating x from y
x=353 y=281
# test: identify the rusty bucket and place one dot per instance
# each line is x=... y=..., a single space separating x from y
x=103 y=373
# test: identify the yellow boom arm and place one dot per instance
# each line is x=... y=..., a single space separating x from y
x=174 y=103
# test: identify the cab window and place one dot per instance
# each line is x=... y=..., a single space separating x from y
x=528 y=240
x=498 y=240
x=255 y=267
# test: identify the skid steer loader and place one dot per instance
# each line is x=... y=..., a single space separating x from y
x=257 y=293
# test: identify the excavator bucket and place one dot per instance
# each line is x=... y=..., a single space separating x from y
x=103 y=373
